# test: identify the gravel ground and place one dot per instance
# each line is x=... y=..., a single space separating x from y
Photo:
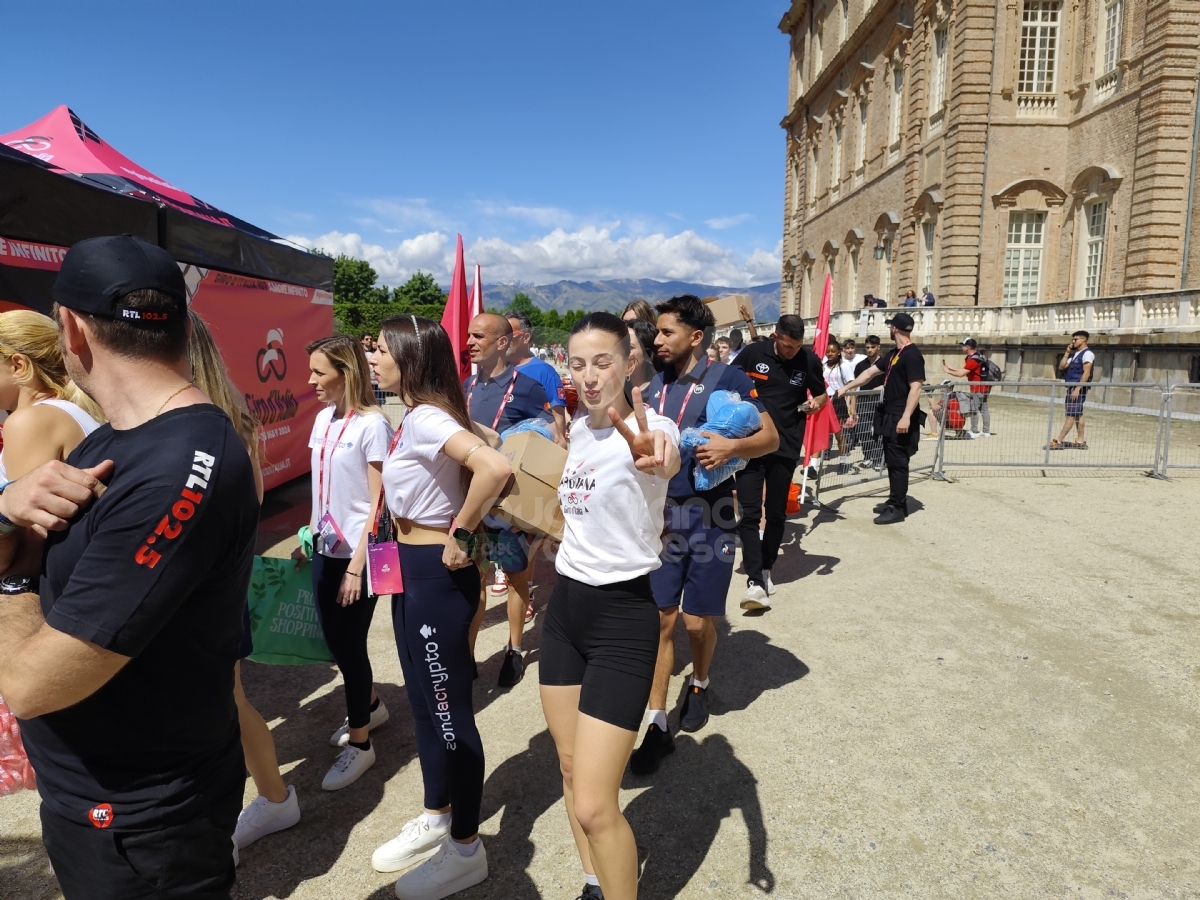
x=996 y=698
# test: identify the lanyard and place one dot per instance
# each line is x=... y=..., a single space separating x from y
x=662 y=401
x=321 y=498
x=382 y=494
x=892 y=364
x=503 y=403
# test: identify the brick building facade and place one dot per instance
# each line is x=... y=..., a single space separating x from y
x=1003 y=153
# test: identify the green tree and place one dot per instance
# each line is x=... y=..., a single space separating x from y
x=522 y=303
x=420 y=290
x=354 y=282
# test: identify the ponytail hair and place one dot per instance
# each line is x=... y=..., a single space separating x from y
x=34 y=337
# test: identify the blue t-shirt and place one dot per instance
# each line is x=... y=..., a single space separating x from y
x=526 y=399
x=692 y=413
x=546 y=375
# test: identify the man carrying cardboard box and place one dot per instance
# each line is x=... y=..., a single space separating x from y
x=698 y=551
x=498 y=397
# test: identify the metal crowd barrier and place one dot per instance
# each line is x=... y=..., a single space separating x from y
x=1020 y=425
x=855 y=457
x=1180 y=450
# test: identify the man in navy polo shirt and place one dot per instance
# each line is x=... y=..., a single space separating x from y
x=498 y=397
x=697 y=558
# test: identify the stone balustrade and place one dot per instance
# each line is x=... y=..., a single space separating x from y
x=1176 y=311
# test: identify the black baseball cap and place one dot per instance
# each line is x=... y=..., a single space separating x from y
x=98 y=273
x=969 y=342
x=903 y=321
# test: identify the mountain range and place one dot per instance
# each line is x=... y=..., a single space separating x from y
x=614 y=295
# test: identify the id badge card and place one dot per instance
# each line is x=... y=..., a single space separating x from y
x=383 y=569
x=329 y=536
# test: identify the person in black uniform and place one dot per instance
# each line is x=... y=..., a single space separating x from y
x=791 y=385
x=121 y=672
x=898 y=417
x=862 y=408
x=498 y=397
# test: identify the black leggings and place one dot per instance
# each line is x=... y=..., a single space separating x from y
x=346 y=630
x=604 y=638
x=432 y=622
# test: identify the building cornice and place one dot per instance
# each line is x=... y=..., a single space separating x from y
x=793 y=16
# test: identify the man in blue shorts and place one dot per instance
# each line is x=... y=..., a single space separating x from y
x=697 y=557
x=1076 y=364
x=498 y=397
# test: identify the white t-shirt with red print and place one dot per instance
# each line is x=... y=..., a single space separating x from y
x=613 y=512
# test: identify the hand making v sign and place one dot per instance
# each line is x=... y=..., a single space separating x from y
x=652 y=452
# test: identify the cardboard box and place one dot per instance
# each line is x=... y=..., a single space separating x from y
x=727 y=310
x=531 y=500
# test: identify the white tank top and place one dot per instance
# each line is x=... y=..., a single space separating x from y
x=82 y=419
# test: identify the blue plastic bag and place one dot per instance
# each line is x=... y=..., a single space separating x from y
x=541 y=426
x=729 y=416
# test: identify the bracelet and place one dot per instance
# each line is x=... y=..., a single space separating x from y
x=469 y=452
x=354 y=574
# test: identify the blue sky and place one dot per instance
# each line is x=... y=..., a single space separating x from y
x=563 y=139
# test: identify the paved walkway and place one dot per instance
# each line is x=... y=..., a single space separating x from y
x=997 y=698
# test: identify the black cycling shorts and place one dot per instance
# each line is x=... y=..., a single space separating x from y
x=604 y=638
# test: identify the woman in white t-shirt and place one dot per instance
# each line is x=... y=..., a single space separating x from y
x=439 y=479
x=349 y=444
x=835 y=380
x=600 y=637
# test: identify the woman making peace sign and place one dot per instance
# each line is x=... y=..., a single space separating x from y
x=600 y=638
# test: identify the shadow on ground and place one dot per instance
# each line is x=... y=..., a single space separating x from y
x=677 y=820
x=311 y=850
x=25 y=871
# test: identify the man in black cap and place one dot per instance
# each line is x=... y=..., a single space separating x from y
x=898 y=417
x=122 y=671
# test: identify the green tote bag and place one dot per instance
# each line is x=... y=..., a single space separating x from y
x=283 y=615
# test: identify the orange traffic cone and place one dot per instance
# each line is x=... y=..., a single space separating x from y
x=793 y=504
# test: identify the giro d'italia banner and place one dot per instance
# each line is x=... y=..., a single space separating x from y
x=260 y=326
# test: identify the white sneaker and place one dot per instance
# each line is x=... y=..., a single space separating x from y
x=767 y=582
x=417 y=841
x=349 y=767
x=446 y=872
x=341 y=737
x=262 y=817
x=756 y=597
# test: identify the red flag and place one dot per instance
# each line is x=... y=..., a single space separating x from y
x=477 y=292
x=457 y=315
x=823 y=423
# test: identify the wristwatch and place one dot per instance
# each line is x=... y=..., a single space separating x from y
x=462 y=536
x=11 y=585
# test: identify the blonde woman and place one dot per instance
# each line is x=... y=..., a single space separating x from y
x=48 y=415
x=349 y=445
x=276 y=806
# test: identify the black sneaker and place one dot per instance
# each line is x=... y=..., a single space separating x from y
x=655 y=745
x=880 y=507
x=512 y=670
x=890 y=516
x=591 y=892
x=695 y=709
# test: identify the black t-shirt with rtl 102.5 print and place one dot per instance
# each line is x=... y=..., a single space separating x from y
x=156 y=569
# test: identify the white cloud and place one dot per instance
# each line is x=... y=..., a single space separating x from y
x=587 y=253
x=728 y=221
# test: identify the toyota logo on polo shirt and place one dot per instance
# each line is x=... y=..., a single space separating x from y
x=763 y=368
x=271 y=361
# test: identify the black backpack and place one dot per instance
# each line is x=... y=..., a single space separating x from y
x=988 y=370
